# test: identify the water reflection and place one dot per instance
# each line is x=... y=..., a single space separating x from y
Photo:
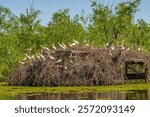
x=113 y=95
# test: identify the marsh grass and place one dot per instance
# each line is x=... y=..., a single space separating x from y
x=12 y=91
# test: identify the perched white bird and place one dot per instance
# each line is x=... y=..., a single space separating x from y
x=106 y=45
x=51 y=57
x=53 y=46
x=122 y=45
x=42 y=57
x=58 y=61
x=32 y=57
x=27 y=56
x=71 y=61
x=66 y=68
x=73 y=44
x=36 y=55
x=46 y=48
x=128 y=49
x=139 y=49
x=63 y=47
x=22 y=63
x=25 y=59
x=112 y=47
x=87 y=44
x=75 y=41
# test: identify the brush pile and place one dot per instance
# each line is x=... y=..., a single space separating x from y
x=76 y=66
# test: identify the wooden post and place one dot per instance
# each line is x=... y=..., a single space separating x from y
x=147 y=79
x=126 y=71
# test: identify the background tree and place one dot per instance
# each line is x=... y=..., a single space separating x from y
x=29 y=30
x=20 y=35
x=63 y=29
x=8 y=40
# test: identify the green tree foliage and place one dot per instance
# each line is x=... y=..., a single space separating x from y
x=143 y=34
x=63 y=29
x=8 y=47
x=29 y=29
x=108 y=26
x=101 y=26
x=20 y=35
x=124 y=16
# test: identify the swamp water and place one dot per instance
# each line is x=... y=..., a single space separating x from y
x=112 y=95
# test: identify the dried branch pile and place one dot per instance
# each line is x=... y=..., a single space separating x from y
x=81 y=66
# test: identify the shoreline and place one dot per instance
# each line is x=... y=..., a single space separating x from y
x=12 y=91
